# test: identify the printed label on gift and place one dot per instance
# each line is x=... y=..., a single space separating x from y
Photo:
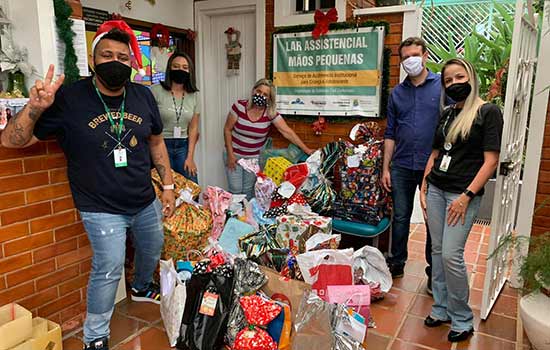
x=208 y=304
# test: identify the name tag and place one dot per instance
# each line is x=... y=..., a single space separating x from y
x=120 y=158
x=445 y=163
x=177 y=132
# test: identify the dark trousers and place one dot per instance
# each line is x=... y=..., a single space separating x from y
x=404 y=183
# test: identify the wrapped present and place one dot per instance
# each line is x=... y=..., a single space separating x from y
x=275 y=169
x=293 y=231
x=254 y=338
x=180 y=184
x=259 y=242
x=258 y=310
x=218 y=201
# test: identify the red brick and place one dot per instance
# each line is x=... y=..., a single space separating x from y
x=25 y=213
x=69 y=231
x=73 y=311
x=396 y=28
x=39 y=299
x=53 y=221
x=50 y=192
x=83 y=241
x=37 y=149
x=74 y=284
x=541 y=221
x=14 y=263
x=11 y=167
x=86 y=266
x=57 y=277
x=12 y=200
x=2 y=283
x=30 y=273
x=74 y=256
x=14 y=294
x=58 y=175
x=59 y=304
x=44 y=163
x=22 y=182
x=28 y=243
x=63 y=204
x=54 y=250
x=53 y=147
x=8 y=233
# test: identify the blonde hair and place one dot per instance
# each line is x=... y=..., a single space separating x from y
x=463 y=122
x=272 y=105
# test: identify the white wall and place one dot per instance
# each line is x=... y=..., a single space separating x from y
x=175 y=13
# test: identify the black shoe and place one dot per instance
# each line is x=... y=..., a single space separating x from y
x=454 y=336
x=98 y=344
x=397 y=271
x=149 y=295
x=432 y=322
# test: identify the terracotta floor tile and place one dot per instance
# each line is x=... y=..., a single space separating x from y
x=72 y=343
x=396 y=300
x=470 y=267
x=148 y=312
x=484 y=342
x=414 y=331
x=471 y=247
x=376 y=341
x=409 y=283
x=151 y=339
x=420 y=228
x=475 y=299
x=478 y=228
x=387 y=322
x=422 y=306
x=509 y=291
x=122 y=327
x=399 y=344
x=506 y=305
x=480 y=268
x=479 y=280
x=416 y=268
x=496 y=326
x=416 y=256
x=423 y=288
x=416 y=246
x=484 y=249
x=418 y=236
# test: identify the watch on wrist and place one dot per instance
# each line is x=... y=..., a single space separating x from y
x=168 y=187
x=469 y=193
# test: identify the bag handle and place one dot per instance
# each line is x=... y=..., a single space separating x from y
x=196 y=252
x=351 y=297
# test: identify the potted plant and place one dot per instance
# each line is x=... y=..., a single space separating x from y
x=535 y=276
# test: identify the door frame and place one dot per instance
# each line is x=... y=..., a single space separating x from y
x=204 y=11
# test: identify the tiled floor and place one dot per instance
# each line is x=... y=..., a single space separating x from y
x=399 y=316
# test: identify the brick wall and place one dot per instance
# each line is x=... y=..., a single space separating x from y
x=337 y=131
x=44 y=252
x=541 y=219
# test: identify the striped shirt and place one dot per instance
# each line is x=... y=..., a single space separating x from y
x=248 y=137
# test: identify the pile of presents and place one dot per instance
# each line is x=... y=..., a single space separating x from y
x=19 y=331
x=266 y=273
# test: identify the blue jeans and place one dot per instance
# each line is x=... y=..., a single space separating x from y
x=404 y=183
x=449 y=278
x=107 y=234
x=177 y=152
x=240 y=181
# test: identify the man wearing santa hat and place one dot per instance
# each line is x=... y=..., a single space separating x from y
x=110 y=131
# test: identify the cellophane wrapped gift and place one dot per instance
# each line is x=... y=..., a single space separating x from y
x=361 y=197
x=293 y=231
x=275 y=169
x=190 y=226
x=218 y=201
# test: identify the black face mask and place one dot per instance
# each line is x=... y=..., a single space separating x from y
x=459 y=91
x=259 y=100
x=179 y=76
x=113 y=74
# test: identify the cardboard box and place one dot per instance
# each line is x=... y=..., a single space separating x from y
x=15 y=325
x=46 y=335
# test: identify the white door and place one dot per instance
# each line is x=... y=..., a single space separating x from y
x=516 y=109
x=218 y=89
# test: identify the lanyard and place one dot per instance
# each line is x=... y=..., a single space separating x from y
x=117 y=129
x=178 y=112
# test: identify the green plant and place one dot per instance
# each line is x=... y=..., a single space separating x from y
x=535 y=267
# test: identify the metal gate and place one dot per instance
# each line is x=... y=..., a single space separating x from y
x=516 y=109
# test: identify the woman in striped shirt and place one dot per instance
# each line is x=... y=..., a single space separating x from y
x=246 y=129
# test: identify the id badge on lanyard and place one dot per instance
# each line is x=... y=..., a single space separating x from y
x=120 y=158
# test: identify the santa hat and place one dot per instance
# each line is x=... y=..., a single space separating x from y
x=107 y=26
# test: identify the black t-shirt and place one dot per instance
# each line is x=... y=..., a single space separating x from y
x=80 y=124
x=466 y=155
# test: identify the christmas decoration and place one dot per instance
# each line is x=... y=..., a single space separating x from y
x=322 y=21
x=64 y=29
x=233 y=48
x=160 y=35
x=319 y=125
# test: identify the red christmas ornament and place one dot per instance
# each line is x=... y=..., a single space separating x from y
x=164 y=39
x=319 y=126
x=322 y=21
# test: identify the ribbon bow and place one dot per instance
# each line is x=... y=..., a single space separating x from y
x=322 y=21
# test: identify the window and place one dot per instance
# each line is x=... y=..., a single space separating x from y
x=312 y=5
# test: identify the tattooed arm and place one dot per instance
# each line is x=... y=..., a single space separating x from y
x=19 y=131
x=162 y=164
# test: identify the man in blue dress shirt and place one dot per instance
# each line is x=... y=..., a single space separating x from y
x=413 y=113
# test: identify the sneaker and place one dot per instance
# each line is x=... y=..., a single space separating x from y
x=455 y=336
x=397 y=271
x=98 y=344
x=149 y=295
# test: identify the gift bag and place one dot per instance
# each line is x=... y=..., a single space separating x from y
x=281 y=327
x=207 y=307
x=180 y=183
x=322 y=268
x=355 y=297
x=172 y=301
x=258 y=243
x=370 y=265
x=312 y=329
x=285 y=289
x=348 y=327
x=292 y=153
x=218 y=201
